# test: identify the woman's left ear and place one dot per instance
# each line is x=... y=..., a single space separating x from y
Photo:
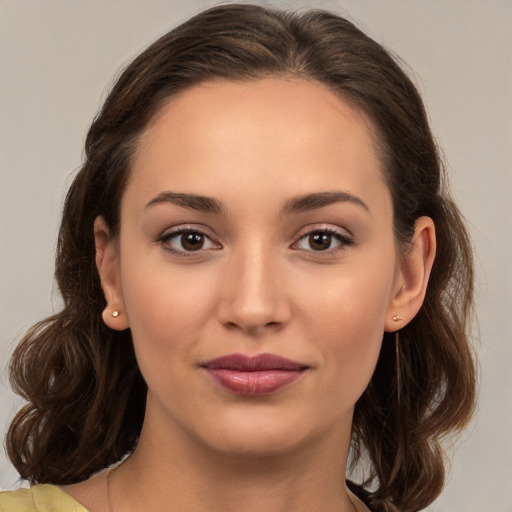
x=412 y=276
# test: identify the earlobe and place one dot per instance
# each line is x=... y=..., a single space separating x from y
x=107 y=263
x=413 y=275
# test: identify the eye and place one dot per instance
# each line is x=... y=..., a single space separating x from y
x=187 y=241
x=323 y=240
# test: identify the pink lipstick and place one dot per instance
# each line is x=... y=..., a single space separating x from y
x=253 y=375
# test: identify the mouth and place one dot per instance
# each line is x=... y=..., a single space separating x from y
x=258 y=375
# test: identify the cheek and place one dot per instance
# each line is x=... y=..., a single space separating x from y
x=345 y=314
x=167 y=308
x=349 y=298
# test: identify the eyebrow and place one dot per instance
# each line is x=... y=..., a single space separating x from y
x=320 y=199
x=191 y=201
x=299 y=204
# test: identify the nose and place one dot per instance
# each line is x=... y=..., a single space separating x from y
x=254 y=293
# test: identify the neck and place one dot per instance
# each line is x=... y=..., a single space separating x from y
x=183 y=475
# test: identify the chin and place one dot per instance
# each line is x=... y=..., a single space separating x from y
x=263 y=435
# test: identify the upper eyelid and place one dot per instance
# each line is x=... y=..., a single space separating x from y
x=324 y=227
x=164 y=240
x=176 y=230
x=180 y=229
x=343 y=236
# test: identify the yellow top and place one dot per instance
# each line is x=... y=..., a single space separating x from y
x=40 y=498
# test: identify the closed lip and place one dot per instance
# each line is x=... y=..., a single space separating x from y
x=258 y=375
x=256 y=363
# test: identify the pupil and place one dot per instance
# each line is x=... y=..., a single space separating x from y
x=192 y=241
x=320 y=241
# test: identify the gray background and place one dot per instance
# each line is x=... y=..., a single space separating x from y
x=57 y=58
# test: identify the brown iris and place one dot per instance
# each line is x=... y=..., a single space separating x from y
x=192 y=241
x=320 y=241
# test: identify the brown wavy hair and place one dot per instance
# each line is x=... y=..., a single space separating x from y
x=86 y=396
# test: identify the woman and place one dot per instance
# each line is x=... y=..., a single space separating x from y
x=263 y=279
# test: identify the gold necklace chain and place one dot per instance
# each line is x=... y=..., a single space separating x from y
x=109 y=499
x=109 y=474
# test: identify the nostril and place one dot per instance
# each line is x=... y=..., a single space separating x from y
x=253 y=327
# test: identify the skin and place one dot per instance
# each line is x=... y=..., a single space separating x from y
x=256 y=285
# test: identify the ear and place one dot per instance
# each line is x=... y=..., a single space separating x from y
x=412 y=277
x=107 y=263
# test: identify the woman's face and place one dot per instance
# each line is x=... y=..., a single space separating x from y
x=256 y=223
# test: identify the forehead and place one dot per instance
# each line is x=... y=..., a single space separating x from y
x=268 y=133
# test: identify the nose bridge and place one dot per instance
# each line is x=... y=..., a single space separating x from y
x=254 y=293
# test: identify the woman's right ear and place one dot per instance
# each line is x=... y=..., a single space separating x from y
x=108 y=265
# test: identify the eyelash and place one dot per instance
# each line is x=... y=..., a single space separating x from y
x=343 y=239
x=166 y=238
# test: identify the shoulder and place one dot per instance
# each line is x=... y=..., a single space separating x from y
x=20 y=500
x=40 y=498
